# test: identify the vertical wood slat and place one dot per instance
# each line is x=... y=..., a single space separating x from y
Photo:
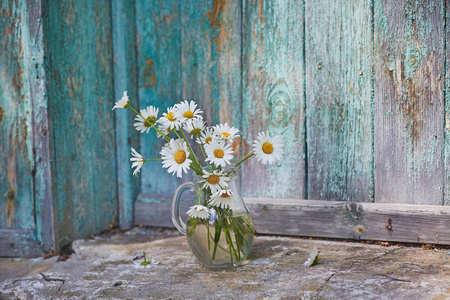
x=79 y=51
x=125 y=79
x=338 y=100
x=159 y=70
x=409 y=104
x=447 y=108
x=210 y=59
x=273 y=94
x=16 y=159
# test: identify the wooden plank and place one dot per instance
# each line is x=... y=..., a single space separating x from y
x=159 y=80
x=155 y=210
x=44 y=201
x=125 y=79
x=409 y=105
x=331 y=219
x=338 y=92
x=273 y=96
x=447 y=109
x=81 y=96
x=211 y=58
x=16 y=159
x=19 y=243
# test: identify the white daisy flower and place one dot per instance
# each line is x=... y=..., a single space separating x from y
x=122 y=103
x=194 y=126
x=198 y=211
x=175 y=157
x=313 y=258
x=216 y=180
x=267 y=149
x=138 y=161
x=207 y=136
x=187 y=111
x=169 y=120
x=225 y=132
x=218 y=153
x=164 y=129
x=222 y=198
x=150 y=115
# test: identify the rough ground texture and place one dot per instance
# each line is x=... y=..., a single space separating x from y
x=108 y=267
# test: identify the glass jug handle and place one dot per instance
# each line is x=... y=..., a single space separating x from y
x=176 y=218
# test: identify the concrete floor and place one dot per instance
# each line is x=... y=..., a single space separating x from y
x=108 y=267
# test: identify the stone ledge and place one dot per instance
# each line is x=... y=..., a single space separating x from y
x=104 y=268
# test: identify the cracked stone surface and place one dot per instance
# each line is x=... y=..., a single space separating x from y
x=108 y=267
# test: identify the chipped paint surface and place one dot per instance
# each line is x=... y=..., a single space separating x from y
x=409 y=61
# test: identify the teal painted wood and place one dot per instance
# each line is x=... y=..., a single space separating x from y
x=338 y=100
x=44 y=201
x=125 y=79
x=19 y=243
x=273 y=94
x=409 y=105
x=447 y=108
x=16 y=159
x=159 y=69
x=81 y=95
x=210 y=61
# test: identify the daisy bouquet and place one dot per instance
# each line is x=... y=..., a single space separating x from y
x=214 y=168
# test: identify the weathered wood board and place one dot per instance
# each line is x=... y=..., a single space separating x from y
x=16 y=159
x=447 y=109
x=273 y=95
x=125 y=79
x=409 y=45
x=339 y=109
x=158 y=48
x=81 y=95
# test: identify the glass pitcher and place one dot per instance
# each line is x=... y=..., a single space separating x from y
x=224 y=239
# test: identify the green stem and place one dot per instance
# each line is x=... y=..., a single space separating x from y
x=250 y=154
x=153 y=159
x=203 y=151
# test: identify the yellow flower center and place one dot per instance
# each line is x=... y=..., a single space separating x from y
x=170 y=116
x=226 y=134
x=180 y=157
x=213 y=179
x=267 y=148
x=225 y=195
x=208 y=140
x=189 y=114
x=150 y=121
x=218 y=153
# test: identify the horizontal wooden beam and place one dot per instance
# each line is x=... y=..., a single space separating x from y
x=330 y=219
x=19 y=243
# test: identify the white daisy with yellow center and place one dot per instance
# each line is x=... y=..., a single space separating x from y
x=267 y=149
x=187 y=111
x=225 y=132
x=150 y=115
x=122 y=103
x=164 y=129
x=138 y=161
x=207 y=136
x=175 y=157
x=169 y=120
x=194 y=126
x=222 y=198
x=215 y=180
x=219 y=153
x=198 y=211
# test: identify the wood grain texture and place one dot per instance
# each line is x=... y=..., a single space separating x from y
x=44 y=200
x=332 y=219
x=16 y=159
x=409 y=103
x=447 y=109
x=19 y=243
x=338 y=93
x=81 y=95
x=159 y=70
x=125 y=79
x=211 y=58
x=273 y=94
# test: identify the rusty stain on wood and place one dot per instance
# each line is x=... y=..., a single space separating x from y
x=2 y=115
x=149 y=73
x=214 y=15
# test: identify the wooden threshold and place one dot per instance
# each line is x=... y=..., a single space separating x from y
x=330 y=219
x=19 y=243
